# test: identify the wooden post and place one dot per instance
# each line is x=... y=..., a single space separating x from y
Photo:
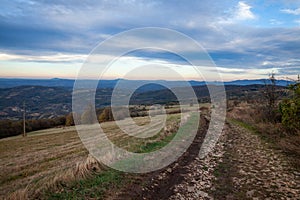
x=24 y=120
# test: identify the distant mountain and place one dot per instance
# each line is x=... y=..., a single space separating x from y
x=55 y=82
x=123 y=83
x=49 y=102
x=257 y=82
x=42 y=102
x=164 y=96
x=48 y=98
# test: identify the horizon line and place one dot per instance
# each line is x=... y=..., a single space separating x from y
x=72 y=79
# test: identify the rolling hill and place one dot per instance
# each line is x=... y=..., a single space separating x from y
x=50 y=102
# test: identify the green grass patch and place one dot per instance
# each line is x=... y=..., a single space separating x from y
x=245 y=125
x=149 y=147
x=91 y=188
x=254 y=130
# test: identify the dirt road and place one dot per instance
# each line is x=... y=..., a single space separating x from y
x=241 y=166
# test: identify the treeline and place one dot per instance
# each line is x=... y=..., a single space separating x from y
x=104 y=115
x=117 y=113
x=12 y=128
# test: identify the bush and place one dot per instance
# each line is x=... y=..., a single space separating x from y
x=290 y=109
x=88 y=116
x=70 y=120
x=107 y=115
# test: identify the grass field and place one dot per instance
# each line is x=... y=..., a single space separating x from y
x=31 y=163
x=34 y=160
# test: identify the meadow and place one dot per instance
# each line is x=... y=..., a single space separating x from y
x=34 y=164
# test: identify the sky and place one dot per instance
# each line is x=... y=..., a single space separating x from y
x=245 y=39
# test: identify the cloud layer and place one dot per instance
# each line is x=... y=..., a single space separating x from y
x=244 y=38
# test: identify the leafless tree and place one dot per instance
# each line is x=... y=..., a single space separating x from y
x=271 y=95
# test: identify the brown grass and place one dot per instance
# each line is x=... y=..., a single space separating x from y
x=82 y=170
x=50 y=158
x=33 y=160
x=21 y=194
x=86 y=169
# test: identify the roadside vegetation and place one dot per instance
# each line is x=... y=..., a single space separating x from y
x=275 y=117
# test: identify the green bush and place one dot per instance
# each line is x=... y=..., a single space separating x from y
x=290 y=109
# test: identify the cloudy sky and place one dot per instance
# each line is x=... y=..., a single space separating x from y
x=246 y=39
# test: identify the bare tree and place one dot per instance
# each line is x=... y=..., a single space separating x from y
x=271 y=94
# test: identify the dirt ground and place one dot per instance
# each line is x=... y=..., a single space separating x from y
x=241 y=166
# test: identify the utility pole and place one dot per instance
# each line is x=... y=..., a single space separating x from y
x=24 y=120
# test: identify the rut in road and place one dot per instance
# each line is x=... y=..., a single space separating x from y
x=161 y=184
x=241 y=166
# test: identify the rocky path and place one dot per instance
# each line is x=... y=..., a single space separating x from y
x=241 y=166
x=254 y=171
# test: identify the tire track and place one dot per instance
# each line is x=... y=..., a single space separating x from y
x=161 y=184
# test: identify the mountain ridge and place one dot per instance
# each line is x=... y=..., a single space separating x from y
x=156 y=84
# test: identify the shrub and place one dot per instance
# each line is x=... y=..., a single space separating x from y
x=290 y=109
x=70 y=120
x=106 y=115
x=119 y=114
x=88 y=116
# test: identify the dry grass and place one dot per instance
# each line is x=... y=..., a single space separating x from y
x=86 y=169
x=82 y=170
x=21 y=194
x=43 y=159
x=33 y=160
x=244 y=112
x=50 y=158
